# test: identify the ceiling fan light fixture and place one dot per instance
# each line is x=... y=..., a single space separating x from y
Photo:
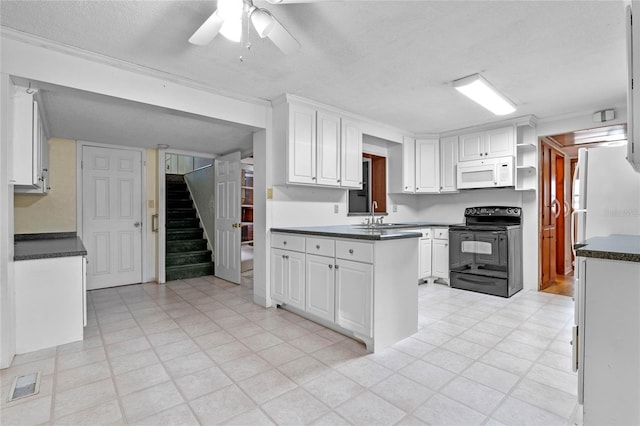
x=232 y=29
x=230 y=9
x=208 y=30
x=476 y=88
x=262 y=21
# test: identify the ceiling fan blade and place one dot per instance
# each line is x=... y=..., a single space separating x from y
x=208 y=30
x=281 y=38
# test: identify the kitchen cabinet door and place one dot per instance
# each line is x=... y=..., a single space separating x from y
x=427 y=160
x=408 y=165
x=448 y=163
x=498 y=142
x=328 y=149
x=471 y=146
x=320 y=286
x=351 y=155
x=354 y=290
x=278 y=274
x=302 y=144
x=425 y=258
x=295 y=288
x=441 y=259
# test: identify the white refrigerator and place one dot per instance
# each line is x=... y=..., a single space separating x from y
x=606 y=194
x=607 y=201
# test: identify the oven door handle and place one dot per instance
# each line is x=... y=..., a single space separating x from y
x=469 y=280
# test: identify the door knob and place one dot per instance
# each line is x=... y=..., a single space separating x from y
x=137 y=224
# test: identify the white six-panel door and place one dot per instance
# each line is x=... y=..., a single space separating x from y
x=112 y=215
x=227 y=227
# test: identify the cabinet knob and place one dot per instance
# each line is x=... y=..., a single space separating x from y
x=338 y=181
x=481 y=154
x=313 y=178
x=337 y=266
x=318 y=247
x=284 y=243
x=417 y=187
x=486 y=153
x=330 y=266
x=350 y=251
x=286 y=257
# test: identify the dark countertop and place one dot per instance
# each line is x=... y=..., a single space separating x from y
x=403 y=230
x=614 y=247
x=49 y=245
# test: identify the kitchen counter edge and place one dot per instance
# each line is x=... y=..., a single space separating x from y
x=351 y=232
x=620 y=247
x=47 y=246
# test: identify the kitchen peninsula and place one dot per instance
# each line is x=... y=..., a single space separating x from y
x=359 y=280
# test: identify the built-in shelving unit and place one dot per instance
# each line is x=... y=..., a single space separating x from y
x=526 y=158
x=246 y=200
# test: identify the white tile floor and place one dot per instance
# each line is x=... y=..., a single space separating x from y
x=199 y=352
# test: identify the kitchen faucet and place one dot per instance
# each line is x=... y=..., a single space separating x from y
x=374 y=206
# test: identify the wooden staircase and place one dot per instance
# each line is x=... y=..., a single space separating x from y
x=187 y=255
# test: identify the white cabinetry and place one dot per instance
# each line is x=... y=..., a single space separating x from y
x=633 y=85
x=448 y=163
x=487 y=144
x=30 y=144
x=434 y=254
x=441 y=253
x=526 y=157
x=339 y=280
x=607 y=341
x=288 y=270
x=322 y=146
x=419 y=161
x=50 y=302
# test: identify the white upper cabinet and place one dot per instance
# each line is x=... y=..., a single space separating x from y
x=488 y=144
x=351 y=154
x=408 y=165
x=328 y=149
x=448 y=163
x=302 y=144
x=323 y=147
x=427 y=158
x=30 y=144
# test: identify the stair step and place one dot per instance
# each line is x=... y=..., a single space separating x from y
x=188 y=271
x=179 y=246
x=182 y=223
x=184 y=234
x=187 y=258
x=178 y=213
x=171 y=204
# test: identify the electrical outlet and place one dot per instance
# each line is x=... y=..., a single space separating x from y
x=336 y=208
x=269 y=193
x=395 y=208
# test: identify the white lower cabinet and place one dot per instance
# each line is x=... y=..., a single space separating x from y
x=50 y=302
x=288 y=277
x=354 y=285
x=320 y=286
x=331 y=281
x=434 y=254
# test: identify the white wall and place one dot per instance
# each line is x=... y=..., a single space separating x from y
x=7 y=291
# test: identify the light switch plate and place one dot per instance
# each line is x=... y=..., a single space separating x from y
x=395 y=208
x=269 y=193
x=336 y=208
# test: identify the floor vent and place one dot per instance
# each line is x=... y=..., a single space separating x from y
x=24 y=386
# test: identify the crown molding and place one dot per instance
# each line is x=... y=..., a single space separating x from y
x=23 y=37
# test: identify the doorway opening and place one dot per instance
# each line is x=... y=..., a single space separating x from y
x=558 y=200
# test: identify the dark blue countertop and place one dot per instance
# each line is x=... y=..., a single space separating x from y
x=614 y=247
x=48 y=245
x=358 y=232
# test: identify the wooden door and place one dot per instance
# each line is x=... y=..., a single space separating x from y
x=112 y=215
x=560 y=215
x=551 y=208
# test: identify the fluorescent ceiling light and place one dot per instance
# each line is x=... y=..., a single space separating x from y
x=479 y=90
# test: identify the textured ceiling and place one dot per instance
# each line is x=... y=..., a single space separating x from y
x=391 y=61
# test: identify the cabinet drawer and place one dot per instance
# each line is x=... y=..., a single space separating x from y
x=427 y=232
x=287 y=242
x=441 y=233
x=352 y=250
x=321 y=246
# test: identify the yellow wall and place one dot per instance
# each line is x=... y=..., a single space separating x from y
x=56 y=211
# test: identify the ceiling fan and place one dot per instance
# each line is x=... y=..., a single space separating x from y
x=227 y=20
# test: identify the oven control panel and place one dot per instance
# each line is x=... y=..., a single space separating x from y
x=492 y=211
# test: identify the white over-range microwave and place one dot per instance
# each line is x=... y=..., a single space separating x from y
x=486 y=173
